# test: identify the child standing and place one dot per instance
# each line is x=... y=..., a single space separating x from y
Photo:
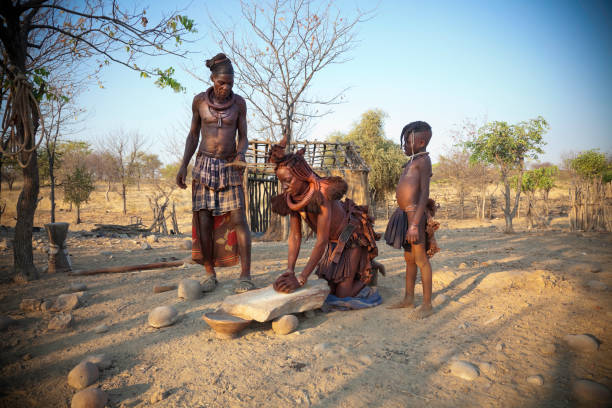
x=407 y=226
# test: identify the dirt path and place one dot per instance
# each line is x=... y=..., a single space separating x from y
x=506 y=300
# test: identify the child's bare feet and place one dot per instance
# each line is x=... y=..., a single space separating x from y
x=423 y=311
x=407 y=303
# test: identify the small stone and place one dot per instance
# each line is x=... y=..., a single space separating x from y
x=591 y=393
x=548 y=349
x=438 y=300
x=596 y=285
x=189 y=289
x=462 y=265
x=124 y=236
x=152 y=239
x=582 y=342
x=100 y=360
x=46 y=306
x=464 y=370
x=78 y=287
x=145 y=246
x=187 y=244
x=500 y=347
x=30 y=305
x=26 y=357
x=310 y=314
x=365 y=359
x=321 y=347
x=5 y=322
x=487 y=368
x=66 y=302
x=536 y=380
x=106 y=253
x=584 y=268
x=101 y=329
x=83 y=375
x=158 y=395
x=60 y=322
x=285 y=324
x=89 y=398
x=163 y=316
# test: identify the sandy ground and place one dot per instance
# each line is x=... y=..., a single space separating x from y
x=509 y=300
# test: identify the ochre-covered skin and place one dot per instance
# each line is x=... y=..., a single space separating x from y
x=316 y=200
x=218 y=115
x=412 y=196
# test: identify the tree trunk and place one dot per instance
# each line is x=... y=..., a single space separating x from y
x=123 y=196
x=26 y=207
x=108 y=188
x=77 y=219
x=507 y=212
x=52 y=194
x=462 y=204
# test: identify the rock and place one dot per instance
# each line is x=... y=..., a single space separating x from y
x=5 y=322
x=285 y=324
x=548 y=349
x=310 y=314
x=78 y=287
x=106 y=253
x=582 y=342
x=83 y=375
x=30 y=305
x=596 y=285
x=163 y=316
x=500 y=347
x=464 y=370
x=536 y=380
x=487 y=368
x=438 y=300
x=145 y=246
x=152 y=239
x=123 y=236
x=66 y=302
x=6 y=244
x=266 y=304
x=60 y=322
x=187 y=244
x=46 y=306
x=100 y=360
x=101 y=329
x=365 y=359
x=189 y=289
x=462 y=265
x=89 y=398
x=591 y=393
x=158 y=395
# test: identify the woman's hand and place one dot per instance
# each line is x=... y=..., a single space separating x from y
x=412 y=235
x=286 y=283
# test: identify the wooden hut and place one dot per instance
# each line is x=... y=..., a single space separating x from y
x=327 y=159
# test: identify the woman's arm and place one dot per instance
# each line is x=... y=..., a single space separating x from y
x=323 y=229
x=295 y=240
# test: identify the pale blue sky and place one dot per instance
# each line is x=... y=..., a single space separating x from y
x=438 y=61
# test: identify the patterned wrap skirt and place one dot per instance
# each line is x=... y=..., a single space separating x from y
x=215 y=187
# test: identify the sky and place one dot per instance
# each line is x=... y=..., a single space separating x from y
x=443 y=62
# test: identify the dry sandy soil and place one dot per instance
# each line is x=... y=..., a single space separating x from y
x=508 y=300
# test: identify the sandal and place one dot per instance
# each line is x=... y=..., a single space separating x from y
x=243 y=285
x=209 y=283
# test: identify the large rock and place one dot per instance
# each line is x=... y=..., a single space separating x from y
x=189 y=289
x=66 y=302
x=267 y=304
x=285 y=324
x=464 y=369
x=83 y=375
x=60 y=322
x=30 y=305
x=89 y=398
x=592 y=394
x=163 y=316
x=582 y=342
